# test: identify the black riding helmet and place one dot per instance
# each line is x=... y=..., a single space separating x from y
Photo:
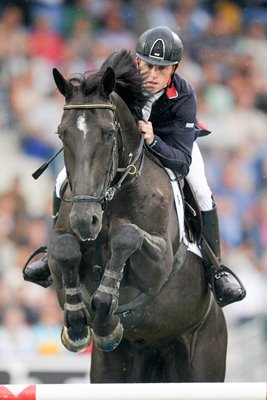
x=159 y=46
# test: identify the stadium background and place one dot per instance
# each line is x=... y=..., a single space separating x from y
x=225 y=60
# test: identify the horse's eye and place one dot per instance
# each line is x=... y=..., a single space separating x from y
x=108 y=135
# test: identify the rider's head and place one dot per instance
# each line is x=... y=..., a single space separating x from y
x=160 y=50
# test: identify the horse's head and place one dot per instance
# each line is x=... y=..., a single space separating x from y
x=88 y=131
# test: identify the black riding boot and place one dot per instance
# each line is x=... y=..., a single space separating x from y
x=226 y=290
x=38 y=271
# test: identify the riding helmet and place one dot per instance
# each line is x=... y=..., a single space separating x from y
x=159 y=46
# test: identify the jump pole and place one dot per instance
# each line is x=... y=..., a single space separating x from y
x=157 y=391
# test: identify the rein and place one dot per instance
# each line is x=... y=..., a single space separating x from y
x=131 y=169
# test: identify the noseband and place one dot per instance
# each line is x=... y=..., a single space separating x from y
x=131 y=169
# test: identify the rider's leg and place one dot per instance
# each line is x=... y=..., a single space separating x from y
x=226 y=290
x=38 y=271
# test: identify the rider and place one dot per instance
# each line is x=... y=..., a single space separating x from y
x=170 y=128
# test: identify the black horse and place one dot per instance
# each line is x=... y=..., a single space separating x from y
x=122 y=274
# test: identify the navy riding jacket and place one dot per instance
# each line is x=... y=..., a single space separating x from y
x=175 y=125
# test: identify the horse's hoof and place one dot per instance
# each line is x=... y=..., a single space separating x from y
x=110 y=342
x=76 y=346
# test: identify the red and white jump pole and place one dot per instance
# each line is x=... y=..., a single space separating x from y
x=158 y=391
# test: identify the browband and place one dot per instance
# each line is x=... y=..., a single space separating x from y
x=82 y=106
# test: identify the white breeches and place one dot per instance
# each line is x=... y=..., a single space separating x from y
x=197 y=179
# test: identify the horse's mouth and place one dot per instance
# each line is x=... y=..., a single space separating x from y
x=86 y=237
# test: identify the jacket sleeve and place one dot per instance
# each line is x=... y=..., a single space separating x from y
x=175 y=136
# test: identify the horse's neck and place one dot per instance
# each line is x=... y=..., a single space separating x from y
x=131 y=141
x=130 y=136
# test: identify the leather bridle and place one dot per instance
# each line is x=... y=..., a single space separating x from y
x=132 y=168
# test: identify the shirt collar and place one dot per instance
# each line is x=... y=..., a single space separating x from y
x=170 y=90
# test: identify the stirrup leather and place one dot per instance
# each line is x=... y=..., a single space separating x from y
x=217 y=271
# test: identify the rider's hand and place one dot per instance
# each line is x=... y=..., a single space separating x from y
x=147 y=129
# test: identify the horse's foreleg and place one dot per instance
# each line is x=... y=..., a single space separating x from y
x=108 y=331
x=76 y=335
x=151 y=265
x=126 y=240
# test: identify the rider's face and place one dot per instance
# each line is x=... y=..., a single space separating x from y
x=157 y=76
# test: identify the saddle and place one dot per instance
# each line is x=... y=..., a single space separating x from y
x=192 y=214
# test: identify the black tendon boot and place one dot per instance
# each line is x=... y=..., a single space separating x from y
x=226 y=286
x=38 y=271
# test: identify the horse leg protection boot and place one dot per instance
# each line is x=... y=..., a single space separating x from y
x=38 y=271
x=225 y=289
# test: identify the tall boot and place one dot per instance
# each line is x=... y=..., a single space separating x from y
x=38 y=271
x=226 y=287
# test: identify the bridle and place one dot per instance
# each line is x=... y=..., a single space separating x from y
x=132 y=168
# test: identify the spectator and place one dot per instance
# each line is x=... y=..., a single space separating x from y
x=52 y=10
x=113 y=35
x=44 y=42
x=16 y=338
x=253 y=43
x=79 y=47
x=192 y=20
x=13 y=56
x=48 y=329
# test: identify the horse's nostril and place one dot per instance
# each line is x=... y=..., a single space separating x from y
x=95 y=221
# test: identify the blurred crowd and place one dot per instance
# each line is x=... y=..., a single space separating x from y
x=225 y=53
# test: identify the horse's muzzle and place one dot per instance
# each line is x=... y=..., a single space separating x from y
x=86 y=220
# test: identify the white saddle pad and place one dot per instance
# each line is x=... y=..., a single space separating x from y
x=193 y=247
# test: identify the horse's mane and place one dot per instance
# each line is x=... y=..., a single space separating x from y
x=129 y=81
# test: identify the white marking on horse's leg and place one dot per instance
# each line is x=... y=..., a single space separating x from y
x=81 y=125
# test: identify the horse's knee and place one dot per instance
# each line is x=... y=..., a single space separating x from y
x=66 y=250
x=127 y=237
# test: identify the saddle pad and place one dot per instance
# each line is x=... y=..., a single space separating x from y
x=179 y=205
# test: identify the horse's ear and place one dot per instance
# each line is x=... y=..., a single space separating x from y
x=63 y=85
x=108 y=81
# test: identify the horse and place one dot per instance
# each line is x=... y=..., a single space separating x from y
x=124 y=278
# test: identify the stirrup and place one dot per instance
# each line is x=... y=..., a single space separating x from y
x=45 y=282
x=217 y=274
x=40 y=250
